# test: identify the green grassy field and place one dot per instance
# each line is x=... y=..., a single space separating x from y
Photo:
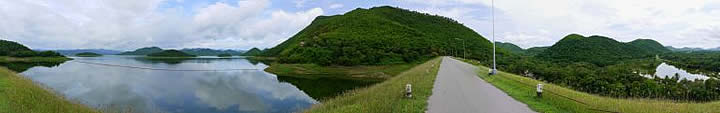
x=557 y=99
x=379 y=72
x=387 y=97
x=33 y=59
x=20 y=95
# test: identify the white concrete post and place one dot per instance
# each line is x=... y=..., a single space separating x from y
x=408 y=90
x=539 y=90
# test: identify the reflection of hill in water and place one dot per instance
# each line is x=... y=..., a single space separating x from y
x=324 y=88
x=20 y=67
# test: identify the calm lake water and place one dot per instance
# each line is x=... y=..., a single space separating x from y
x=666 y=70
x=181 y=86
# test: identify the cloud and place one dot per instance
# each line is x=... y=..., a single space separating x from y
x=130 y=24
x=335 y=6
x=676 y=23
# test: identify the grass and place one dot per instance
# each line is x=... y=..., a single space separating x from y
x=387 y=97
x=5 y=59
x=20 y=95
x=379 y=72
x=557 y=99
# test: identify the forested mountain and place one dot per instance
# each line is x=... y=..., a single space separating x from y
x=253 y=52
x=14 y=49
x=649 y=45
x=170 y=53
x=688 y=49
x=599 y=50
x=535 y=50
x=98 y=51
x=380 y=35
x=510 y=47
x=9 y=47
x=210 y=52
x=143 y=51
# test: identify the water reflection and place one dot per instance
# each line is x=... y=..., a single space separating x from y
x=666 y=70
x=173 y=91
x=23 y=66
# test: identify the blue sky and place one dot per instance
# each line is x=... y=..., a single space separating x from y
x=243 y=24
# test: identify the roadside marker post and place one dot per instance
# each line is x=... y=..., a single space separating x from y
x=408 y=91
x=539 y=90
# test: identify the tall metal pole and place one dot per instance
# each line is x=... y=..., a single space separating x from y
x=494 y=70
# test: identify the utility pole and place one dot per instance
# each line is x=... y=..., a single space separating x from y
x=494 y=70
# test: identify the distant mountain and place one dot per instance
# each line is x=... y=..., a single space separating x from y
x=380 y=35
x=599 y=50
x=510 y=47
x=211 y=52
x=143 y=51
x=253 y=52
x=688 y=49
x=69 y=52
x=170 y=53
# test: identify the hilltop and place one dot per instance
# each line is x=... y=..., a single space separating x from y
x=143 y=51
x=170 y=53
x=380 y=35
x=600 y=50
x=253 y=52
x=510 y=47
x=14 y=49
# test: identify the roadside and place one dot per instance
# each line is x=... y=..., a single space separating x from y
x=388 y=96
x=557 y=99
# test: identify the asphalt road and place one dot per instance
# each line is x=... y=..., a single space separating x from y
x=458 y=89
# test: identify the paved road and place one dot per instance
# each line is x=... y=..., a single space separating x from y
x=457 y=89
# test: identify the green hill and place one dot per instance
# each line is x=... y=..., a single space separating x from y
x=535 y=50
x=379 y=35
x=10 y=47
x=210 y=52
x=253 y=52
x=170 y=53
x=510 y=47
x=649 y=45
x=143 y=51
x=88 y=54
x=599 y=50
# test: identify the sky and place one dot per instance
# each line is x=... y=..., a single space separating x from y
x=243 y=24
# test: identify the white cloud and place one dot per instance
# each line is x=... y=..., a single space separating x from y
x=335 y=6
x=130 y=24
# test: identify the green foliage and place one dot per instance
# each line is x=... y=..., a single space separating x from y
x=88 y=54
x=224 y=55
x=9 y=47
x=702 y=61
x=170 y=53
x=599 y=50
x=535 y=50
x=253 y=52
x=510 y=47
x=380 y=35
x=143 y=51
x=210 y=52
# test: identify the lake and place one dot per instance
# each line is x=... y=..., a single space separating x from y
x=666 y=70
x=200 y=85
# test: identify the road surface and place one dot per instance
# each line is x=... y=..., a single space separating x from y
x=458 y=89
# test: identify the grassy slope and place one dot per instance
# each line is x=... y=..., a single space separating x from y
x=387 y=96
x=523 y=89
x=21 y=95
x=347 y=72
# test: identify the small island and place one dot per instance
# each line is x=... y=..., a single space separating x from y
x=170 y=54
x=88 y=54
x=224 y=55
